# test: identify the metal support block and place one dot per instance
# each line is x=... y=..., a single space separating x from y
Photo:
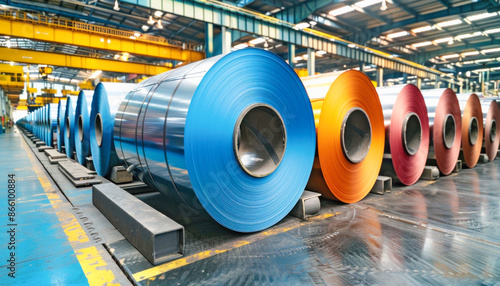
x=157 y=237
x=89 y=163
x=458 y=166
x=40 y=143
x=120 y=175
x=382 y=185
x=55 y=154
x=78 y=175
x=483 y=159
x=308 y=205
x=29 y=135
x=430 y=173
x=43 y=148
x=34 y=140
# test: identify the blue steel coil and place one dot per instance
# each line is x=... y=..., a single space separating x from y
x=231 y=136
x=52 y=123
x=69 y=125
x=105 y=102
x=61 y=111
x=82 y=125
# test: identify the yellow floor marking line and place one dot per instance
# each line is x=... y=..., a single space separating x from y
x=157 y=270
x=91 y=261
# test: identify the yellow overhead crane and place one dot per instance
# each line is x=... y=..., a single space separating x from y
x=48 y=29
x=78 y=62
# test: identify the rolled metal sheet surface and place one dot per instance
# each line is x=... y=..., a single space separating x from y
x=184 y=132
x=472 y=129
x=106 y=99
x=335 y=175
x=82 y=125
x=52 y=123
x=491 y=117
x=69 y=125
x=445 y=120
x=61 y=111
x=406 y=131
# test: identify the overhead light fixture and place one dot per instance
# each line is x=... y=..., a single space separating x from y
x=151 y=21
x=320 y=52
x=95 y=74
x=297 y=59
x=465 y=36
x=158 y=14
x=301 y=26
x=398 y=34
x=137 y=35
x=11 y=64
x=449 y=23
x=313 y=23
x=116 y=7
x=351 y=45
x=8 y=43
x=422 y=29
x=484 y=60
x=450 y=56
x=125 y=56
x=117 y=56
x=443 y=40
x=257 y=41
x=145 y=28
x=159 y=25
x=422 y=44
x=481 y=16
x=466 y=54
x=384 y=6
x=492 y=31
x=468 y=63
x=240 y=46
x=494 y=50
x=366 y=3
x=266 y=45
x=340 y=11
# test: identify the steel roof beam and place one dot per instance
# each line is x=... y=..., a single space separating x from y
x=467 y=8
x=300 y=11
x=422 y=57
x=231 y=17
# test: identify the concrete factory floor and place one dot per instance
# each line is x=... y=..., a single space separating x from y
x=445 y=232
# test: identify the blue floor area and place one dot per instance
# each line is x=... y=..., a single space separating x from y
x=43 y=254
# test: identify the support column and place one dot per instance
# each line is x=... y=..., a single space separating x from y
x=437 y=83
x=362 y=67
x=209 y=40
x=419 y=82
x=311 y=61
x=405 y=78
x=461 y=88
x=380 y=76
x=226 y=40
x=291 y=55
x=467 y=87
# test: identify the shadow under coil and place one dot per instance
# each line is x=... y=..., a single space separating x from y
x=230 y=136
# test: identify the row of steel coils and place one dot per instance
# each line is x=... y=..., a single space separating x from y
x=238 y=137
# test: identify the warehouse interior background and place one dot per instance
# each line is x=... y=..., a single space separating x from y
x=432 y=232
x=427 y=43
